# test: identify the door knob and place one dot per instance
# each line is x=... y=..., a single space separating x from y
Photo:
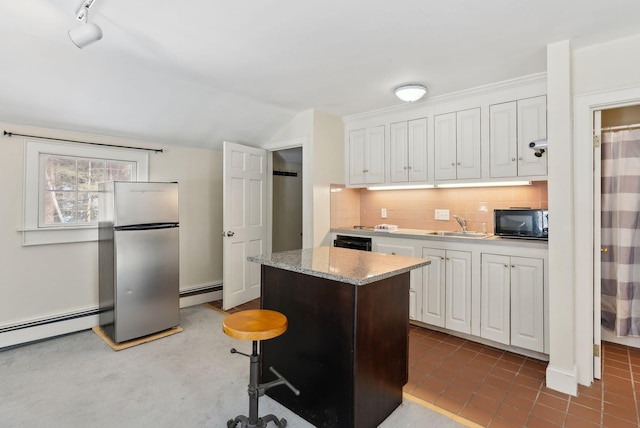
x=228 y=234
x=604 y=250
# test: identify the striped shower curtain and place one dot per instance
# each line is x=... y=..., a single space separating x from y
x=620 y=232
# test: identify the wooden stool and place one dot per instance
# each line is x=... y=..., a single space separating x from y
x=255 y=325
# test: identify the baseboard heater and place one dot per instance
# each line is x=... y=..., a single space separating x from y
x=201 y=290
x=96 y=311
x=51 y=320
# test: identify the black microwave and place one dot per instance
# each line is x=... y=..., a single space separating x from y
x=521 y=223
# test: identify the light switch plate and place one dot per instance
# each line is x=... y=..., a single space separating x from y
x=383 y=213
x=442 y=214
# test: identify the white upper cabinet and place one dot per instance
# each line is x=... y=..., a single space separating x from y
x=366 y=156
x=408 y=151
x=473 y=137
x=444 y=128
x=532 y=125
x=513 y=126
x=468 y=147
x=503 y=134
x=457 y=145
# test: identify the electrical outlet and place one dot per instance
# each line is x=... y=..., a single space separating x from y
x=383 y=213
x=442 y=214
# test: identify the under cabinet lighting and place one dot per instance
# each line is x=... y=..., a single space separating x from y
x=487 y=184
x=452 y=185
x=411 y=187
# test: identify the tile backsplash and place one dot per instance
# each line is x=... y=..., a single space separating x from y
x=415 y=209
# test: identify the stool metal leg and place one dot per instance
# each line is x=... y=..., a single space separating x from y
x=255 y=390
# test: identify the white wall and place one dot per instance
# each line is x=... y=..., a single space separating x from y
x=603 y=76
x=39 y=282
x=328 y=166
x=561 y=371
x=606 y=66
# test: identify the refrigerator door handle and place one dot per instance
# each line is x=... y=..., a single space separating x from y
x=147 y=226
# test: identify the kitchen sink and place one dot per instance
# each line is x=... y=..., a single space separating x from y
x=460 y=234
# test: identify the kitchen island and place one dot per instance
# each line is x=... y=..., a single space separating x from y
x=346 y=347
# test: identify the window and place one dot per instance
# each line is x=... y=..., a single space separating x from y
x=61 y=188
x=70 y=188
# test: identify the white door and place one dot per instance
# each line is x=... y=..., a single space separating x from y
x=244 y=221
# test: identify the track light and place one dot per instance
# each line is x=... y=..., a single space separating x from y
x=410 y=93
x=88 y=32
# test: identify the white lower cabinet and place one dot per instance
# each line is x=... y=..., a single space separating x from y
x=494 y=291
x=403 y=250
x=433 y=287
x=512 y=301
x=458 y=291
x=446 y=289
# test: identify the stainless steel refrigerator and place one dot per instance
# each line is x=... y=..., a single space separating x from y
x=138 y=258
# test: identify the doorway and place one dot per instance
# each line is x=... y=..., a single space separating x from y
x=612 y=121
x=286 y=205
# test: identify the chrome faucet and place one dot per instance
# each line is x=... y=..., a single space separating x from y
x=462 y=222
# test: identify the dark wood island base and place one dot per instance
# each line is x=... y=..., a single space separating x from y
x=346 y=347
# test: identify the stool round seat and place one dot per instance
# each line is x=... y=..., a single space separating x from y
x=255 y=324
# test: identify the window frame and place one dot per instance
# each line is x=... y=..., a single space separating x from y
x=35 y=234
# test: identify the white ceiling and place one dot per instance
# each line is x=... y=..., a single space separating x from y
x=199 y=72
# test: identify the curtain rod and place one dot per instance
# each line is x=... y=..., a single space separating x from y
x=11 y=134
x=621 y=127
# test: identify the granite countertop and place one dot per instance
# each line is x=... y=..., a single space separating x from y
x=432 y=235
x=341 y=264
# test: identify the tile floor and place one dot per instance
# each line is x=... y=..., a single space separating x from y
x=495 y=388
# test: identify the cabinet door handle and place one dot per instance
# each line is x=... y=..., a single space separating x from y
x=365 y=170
x=513 y=266
x=393 y=254
x=453 y=164
x=513 y=159
x=459 y=164
x=506 y=266
x=520 y=158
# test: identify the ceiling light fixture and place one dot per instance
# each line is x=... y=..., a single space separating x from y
x=88 y=32
x=411 y=93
